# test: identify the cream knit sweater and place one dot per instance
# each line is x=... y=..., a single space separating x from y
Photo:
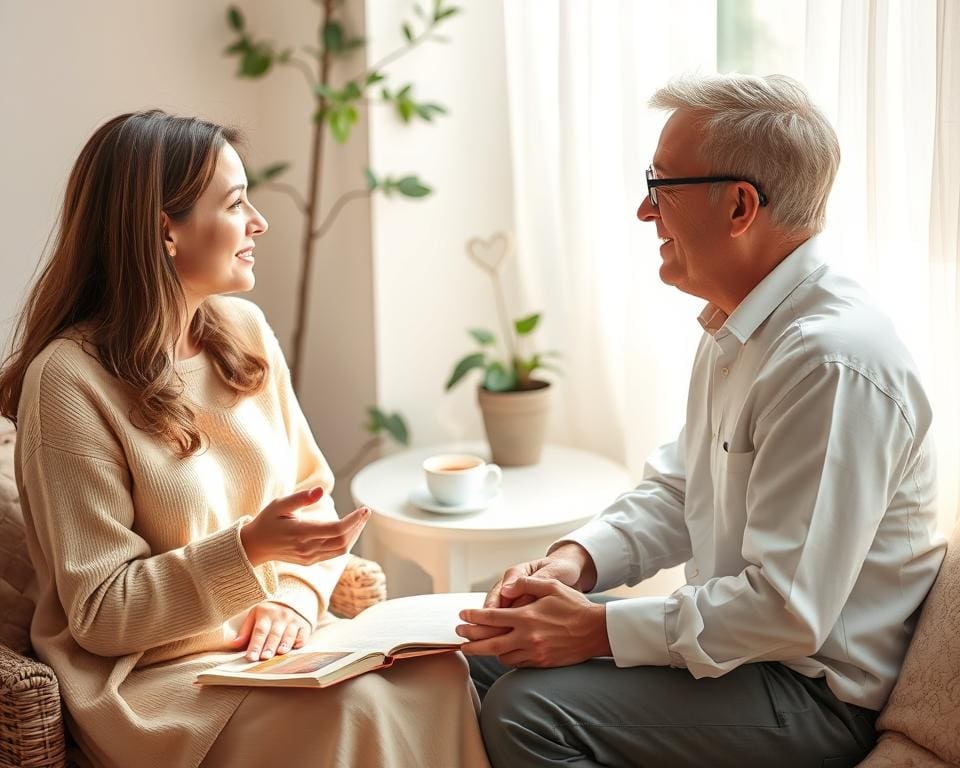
x=138 y=556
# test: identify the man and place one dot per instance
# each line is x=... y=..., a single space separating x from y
x=799 y=493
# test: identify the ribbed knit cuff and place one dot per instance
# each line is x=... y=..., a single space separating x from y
x=231 y=583
x=294 y=593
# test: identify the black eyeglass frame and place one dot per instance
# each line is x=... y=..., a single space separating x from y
x=653 y=182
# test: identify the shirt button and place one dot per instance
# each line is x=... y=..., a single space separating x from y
x=724 y=371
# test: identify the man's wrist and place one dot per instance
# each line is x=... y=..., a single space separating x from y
x=571 y=550
x=602 y=646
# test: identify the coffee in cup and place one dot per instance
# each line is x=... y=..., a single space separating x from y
x=459 y=478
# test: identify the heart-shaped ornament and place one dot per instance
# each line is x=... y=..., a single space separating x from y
x=490 y=254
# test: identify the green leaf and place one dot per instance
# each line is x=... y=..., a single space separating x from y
x=352 y=91
x=355 y=42
x=285 y=55
x=235 y=18
x=240 y=46
x=371 y=179
x=411 y=186
x=405 y=91
x=483 y=337
x=406 y=109
x=375 y=77
x=499 y=379
x=407 y=33
x=397 y=427
x=376 y=420
x=333 y=36
x=321 y=89
x=446 y=13
x=526 y=324
x=339 y=125
x=427 y=111
x=467 y=364
x=272 y=171
x=255 y=62
x=385 y=94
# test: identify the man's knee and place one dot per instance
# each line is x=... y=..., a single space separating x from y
x=517 y=717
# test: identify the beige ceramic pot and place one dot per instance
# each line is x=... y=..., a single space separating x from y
x=516 y=423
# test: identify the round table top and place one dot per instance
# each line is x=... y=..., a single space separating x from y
x=568 y=486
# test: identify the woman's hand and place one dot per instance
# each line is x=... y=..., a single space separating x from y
x=279 y=533
x=271 y=629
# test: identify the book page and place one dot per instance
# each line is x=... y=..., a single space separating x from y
x=421 y=620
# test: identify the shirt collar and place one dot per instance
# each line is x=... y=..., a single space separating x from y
x=767 y=295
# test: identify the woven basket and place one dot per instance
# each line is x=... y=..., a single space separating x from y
x=31 y=724
x=362 y=584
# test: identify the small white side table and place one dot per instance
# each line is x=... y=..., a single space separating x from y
x=536 y=506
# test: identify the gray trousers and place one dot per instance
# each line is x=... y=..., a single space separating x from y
x=596 y=714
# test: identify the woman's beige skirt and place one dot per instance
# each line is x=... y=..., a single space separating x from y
x=422 y=712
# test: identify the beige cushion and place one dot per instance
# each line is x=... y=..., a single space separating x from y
x=920 y=725
x=16 y=609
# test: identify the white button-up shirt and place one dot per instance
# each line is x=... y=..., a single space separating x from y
x=800 y=495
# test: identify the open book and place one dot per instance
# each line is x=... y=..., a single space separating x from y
x=394 y=629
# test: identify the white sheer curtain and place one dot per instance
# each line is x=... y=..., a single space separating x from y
x=580 y=74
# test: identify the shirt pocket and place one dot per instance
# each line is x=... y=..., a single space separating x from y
x=730 y=501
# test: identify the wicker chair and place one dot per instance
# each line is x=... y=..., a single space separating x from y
x=31 y=723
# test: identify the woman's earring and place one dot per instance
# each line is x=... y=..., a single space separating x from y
x=172 y=252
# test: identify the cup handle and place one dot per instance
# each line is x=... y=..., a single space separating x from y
x=494 y=476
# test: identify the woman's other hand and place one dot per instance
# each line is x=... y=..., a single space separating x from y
x=280 y=533
x=271 y=629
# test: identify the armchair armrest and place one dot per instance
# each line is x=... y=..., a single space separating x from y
x=362 y=584
x=31 y=722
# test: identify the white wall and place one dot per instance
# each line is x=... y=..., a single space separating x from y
x=427 y=291
x=66 y=67
x=392 y=296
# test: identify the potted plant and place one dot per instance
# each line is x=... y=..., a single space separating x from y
x=514 y=402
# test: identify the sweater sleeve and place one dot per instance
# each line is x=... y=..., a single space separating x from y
x=306 y=589
x=118 y=598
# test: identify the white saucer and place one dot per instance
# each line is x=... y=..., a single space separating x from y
x=421 y=497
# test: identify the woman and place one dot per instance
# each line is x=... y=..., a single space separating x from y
x=176 y=503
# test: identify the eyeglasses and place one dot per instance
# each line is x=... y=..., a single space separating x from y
x=653 y=182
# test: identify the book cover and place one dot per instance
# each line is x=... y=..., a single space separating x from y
x=394 y=629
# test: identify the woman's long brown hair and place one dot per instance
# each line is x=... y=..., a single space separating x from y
x=109 y=271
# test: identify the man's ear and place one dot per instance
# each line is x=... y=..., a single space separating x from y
x=746 y=206
x=169 y=239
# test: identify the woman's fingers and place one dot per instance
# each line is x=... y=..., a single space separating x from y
x=289 y=637
x=301 y=637
x=260 y=631
x=272 y=640
x=244 y=634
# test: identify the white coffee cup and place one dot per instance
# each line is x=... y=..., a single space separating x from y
x=459 y=478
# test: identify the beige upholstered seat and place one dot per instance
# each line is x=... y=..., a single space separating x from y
x=31 y=723
x=920 y=725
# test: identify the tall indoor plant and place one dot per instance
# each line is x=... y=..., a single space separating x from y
x=337 y=106
x=514 y=402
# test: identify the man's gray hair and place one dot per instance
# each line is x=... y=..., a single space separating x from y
x=766 y=130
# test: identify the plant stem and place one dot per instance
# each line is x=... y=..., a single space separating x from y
x=399 y=52
x=287 y=189
x=355 y=461
x=313 y=203
x=345 y=198
x=504 y=317
x=304 y=67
